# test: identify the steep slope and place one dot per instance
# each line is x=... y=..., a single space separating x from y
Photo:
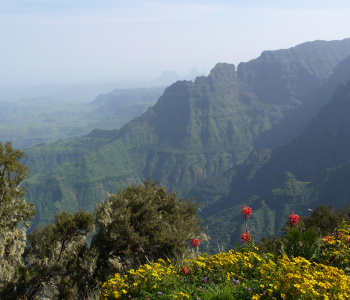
x=188 y=135
x=295 y=71
x=312 y=169
x=196 y=130
x=295 y=76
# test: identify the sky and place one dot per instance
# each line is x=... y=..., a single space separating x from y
x=93 y=41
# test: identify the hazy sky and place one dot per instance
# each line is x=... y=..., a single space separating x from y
x=86 y=41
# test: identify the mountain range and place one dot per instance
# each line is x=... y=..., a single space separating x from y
x=272 y=134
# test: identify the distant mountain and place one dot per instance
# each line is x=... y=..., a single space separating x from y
x=86 y=92
x=116 y=108
x=32 y=121
x=196 y=131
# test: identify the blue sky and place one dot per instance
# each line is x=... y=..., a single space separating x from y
x=85 y=41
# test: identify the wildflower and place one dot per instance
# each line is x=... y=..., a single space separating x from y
x=185 y=270
x=246 y=237
x=195 y=243
x=327 y=238
x=205 y=279
x=160 y=293
x=293 y=219
x=246 y=211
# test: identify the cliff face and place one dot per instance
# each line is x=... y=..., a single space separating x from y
x=196 y=130
x=290 y=75
x=312 y=169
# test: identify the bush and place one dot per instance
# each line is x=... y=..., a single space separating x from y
x=140 y=224
x=15 y=213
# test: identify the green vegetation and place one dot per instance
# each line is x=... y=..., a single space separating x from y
x=305 y=264
x=139 y=224
x=140 y=248
x=310 y=170
x=212 y=140
x=56 y=261
x=14 y=212
x=206 y=139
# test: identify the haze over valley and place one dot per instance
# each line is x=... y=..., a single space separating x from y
x=255 y=109
x=239 y=135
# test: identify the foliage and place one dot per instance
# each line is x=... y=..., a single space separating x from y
x=300 y=242
x=143 y=233
x=56 y=258
x=243 y=274
x=326 y=219
x=206 y=276
x=305 y=238
x=142 y=223
x=15 y=213
x=246 y=273
x=336 y=248
x=298 y=278
x=134 y=225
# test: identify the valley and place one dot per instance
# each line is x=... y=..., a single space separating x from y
x=254 y=136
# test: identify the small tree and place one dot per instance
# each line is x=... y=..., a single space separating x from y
x=142 y=223
x=326 y=219
x=15 y=213
x=58 y=264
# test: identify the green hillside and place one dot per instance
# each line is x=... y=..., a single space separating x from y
x=312 y=169
x=196 y=131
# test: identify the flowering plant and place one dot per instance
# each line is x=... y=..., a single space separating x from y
x=242 y=274
x=246 y=237
x=185 y=270
x=246 y=211
x=195 y=243
x=293 y=219
x=336 y=248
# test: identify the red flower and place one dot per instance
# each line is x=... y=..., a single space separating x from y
x=328 y=238
x=293 y=219
x=185 y=270
x=246 y=237
x=195 y=243
x=246 y=211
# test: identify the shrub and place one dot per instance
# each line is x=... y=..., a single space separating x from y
x=140 y=224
